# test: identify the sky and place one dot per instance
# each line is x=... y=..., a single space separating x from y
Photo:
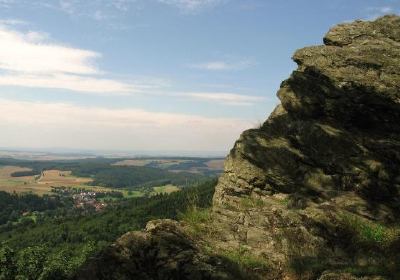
x=153 y=75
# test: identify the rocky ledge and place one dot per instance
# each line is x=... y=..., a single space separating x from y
x=313 y=193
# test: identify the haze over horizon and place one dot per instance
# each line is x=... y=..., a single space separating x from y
x=154 y=75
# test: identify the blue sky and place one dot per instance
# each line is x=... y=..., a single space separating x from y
x=152 y=74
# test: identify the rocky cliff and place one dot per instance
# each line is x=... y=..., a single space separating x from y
x=314 y=193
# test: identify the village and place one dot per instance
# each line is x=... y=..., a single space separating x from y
x=87 y=198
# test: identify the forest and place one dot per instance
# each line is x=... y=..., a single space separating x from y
x=12 y=206
x=54 y=249
x=104 y=174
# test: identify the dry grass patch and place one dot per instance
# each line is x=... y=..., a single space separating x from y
x=59 y=178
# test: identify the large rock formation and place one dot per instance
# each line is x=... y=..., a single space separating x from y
x=162 y=251
x=315 y=190
x=327 y=158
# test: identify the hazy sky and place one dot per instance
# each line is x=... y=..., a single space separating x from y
x=152 y=74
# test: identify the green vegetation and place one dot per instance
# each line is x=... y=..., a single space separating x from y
x=367 y=234
x=361 y=236
x=12 y=206
x=245 y=260
x=165 y=189
x=68 y=242
x=306 y=267
x=34 y=263
x=132 y=194
x=284 y=201
x=198 y=164
x=196 y=215
x=104 y=174
x=196 y=220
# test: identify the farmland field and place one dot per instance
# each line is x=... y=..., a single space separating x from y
x=202 y=166
x=216 y=164
x=166 y=189
x=144 y=162
x=58 y=178
x=17 y=184
x=48 y=179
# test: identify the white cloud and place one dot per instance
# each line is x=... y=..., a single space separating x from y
x=386 y=9
x=227 y=98
x=69 y=82
x=65 y=125
x=32 y=60
x=19 y=53
x=12 y=21
x=221 y=65
x=193 y=6
x=382 y=10
x=376 y=12
x=36 y=37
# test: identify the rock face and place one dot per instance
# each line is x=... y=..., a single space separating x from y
x=330 y=151
x=162 y=251
x=314 y=191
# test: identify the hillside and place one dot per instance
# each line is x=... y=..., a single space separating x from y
x=53 y=249
x=312 y=194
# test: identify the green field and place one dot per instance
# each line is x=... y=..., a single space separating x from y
x=165 y=189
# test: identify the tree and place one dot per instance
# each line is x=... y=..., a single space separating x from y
x=30 y=263
x=7 y=263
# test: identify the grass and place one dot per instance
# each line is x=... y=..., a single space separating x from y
x=284 y=201
x=245 y=260
x=134 y=194
x=196 y=220
x=372 y=238
x=208 y=249
x=165 y=189
x=367 y=234
x=12 y=183
x=362 y=235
